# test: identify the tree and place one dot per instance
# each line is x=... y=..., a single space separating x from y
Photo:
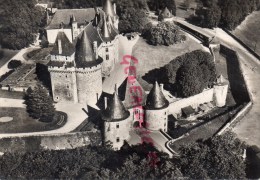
x=165 y=33
x=156 y=5
x=39 y=104
x=209 y=17
x=219 y=157
x=13 y=64
x=20 y=21
x=132 y=20
x=192 y=72
x=160 y=17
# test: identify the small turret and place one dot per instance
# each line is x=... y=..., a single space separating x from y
x=156 y=110
x=117 y=123
x=108 y=8
x=115 y=111
x=156 y=99
x=105 y=32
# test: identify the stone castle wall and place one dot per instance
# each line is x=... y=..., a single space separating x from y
x=157 y=119
x=114 y=130
x=194 y=101
x=89 y=84
x=63 y=86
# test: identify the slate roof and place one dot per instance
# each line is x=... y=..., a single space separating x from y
x=156 y=99
x=67 y=47
x=85 y=56
x=115 y=110
x=82 y=16
x=108 y=31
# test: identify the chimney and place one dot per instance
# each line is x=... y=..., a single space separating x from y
x=161 y=86
x=114 y=5
x=95 y=49
x=105 y=102
x=116 y=90
x=59 y=46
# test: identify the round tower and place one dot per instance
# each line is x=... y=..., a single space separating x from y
x=110 y=10
x=117 y=123
x=156 y=110
x=220 y=92
x=88 y=71
x=109 y=47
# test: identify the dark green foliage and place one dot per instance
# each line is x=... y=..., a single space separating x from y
x=132 y=20
x=76 y=4
x=13 y=64
x=217 y=158
x=156 y=5
x=20 y=21
x=160 y=17
x=88 y=163
x=225 y=13
x=209 y=17
x=39 y=103
x=165 y=33
x=192 y=72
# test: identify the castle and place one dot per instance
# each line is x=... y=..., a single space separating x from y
x=84 y=54
x=81 y=58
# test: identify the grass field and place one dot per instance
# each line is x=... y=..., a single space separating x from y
x=22 y=122
x=151 y=57
x=6 y=55
x=248 y=31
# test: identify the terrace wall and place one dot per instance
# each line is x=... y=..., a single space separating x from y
x=50 y=142
x=194 y=101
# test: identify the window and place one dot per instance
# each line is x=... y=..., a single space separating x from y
x=68 y=86
x=66 y=58
x=117 y=139
x=57 y=98
x=66 y=76
x=117 y=125
x=106 y=49
x=107 y=57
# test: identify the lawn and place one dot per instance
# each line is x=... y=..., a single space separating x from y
x=151 y=57
x=6 y=55
x=248 y=31
x=23 y=123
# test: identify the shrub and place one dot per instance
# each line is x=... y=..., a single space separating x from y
x=165 y=33
x=13 y=64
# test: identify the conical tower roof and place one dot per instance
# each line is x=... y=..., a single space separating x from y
x=115 y=110
x=105 y=31
x=156 y=99
x=85 y=56
x=108 y=8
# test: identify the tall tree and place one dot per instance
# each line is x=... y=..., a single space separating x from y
x=132 y=20
x=39 y=103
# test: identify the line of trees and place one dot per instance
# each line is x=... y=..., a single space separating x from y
x=224 y=13
x=219 y=157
